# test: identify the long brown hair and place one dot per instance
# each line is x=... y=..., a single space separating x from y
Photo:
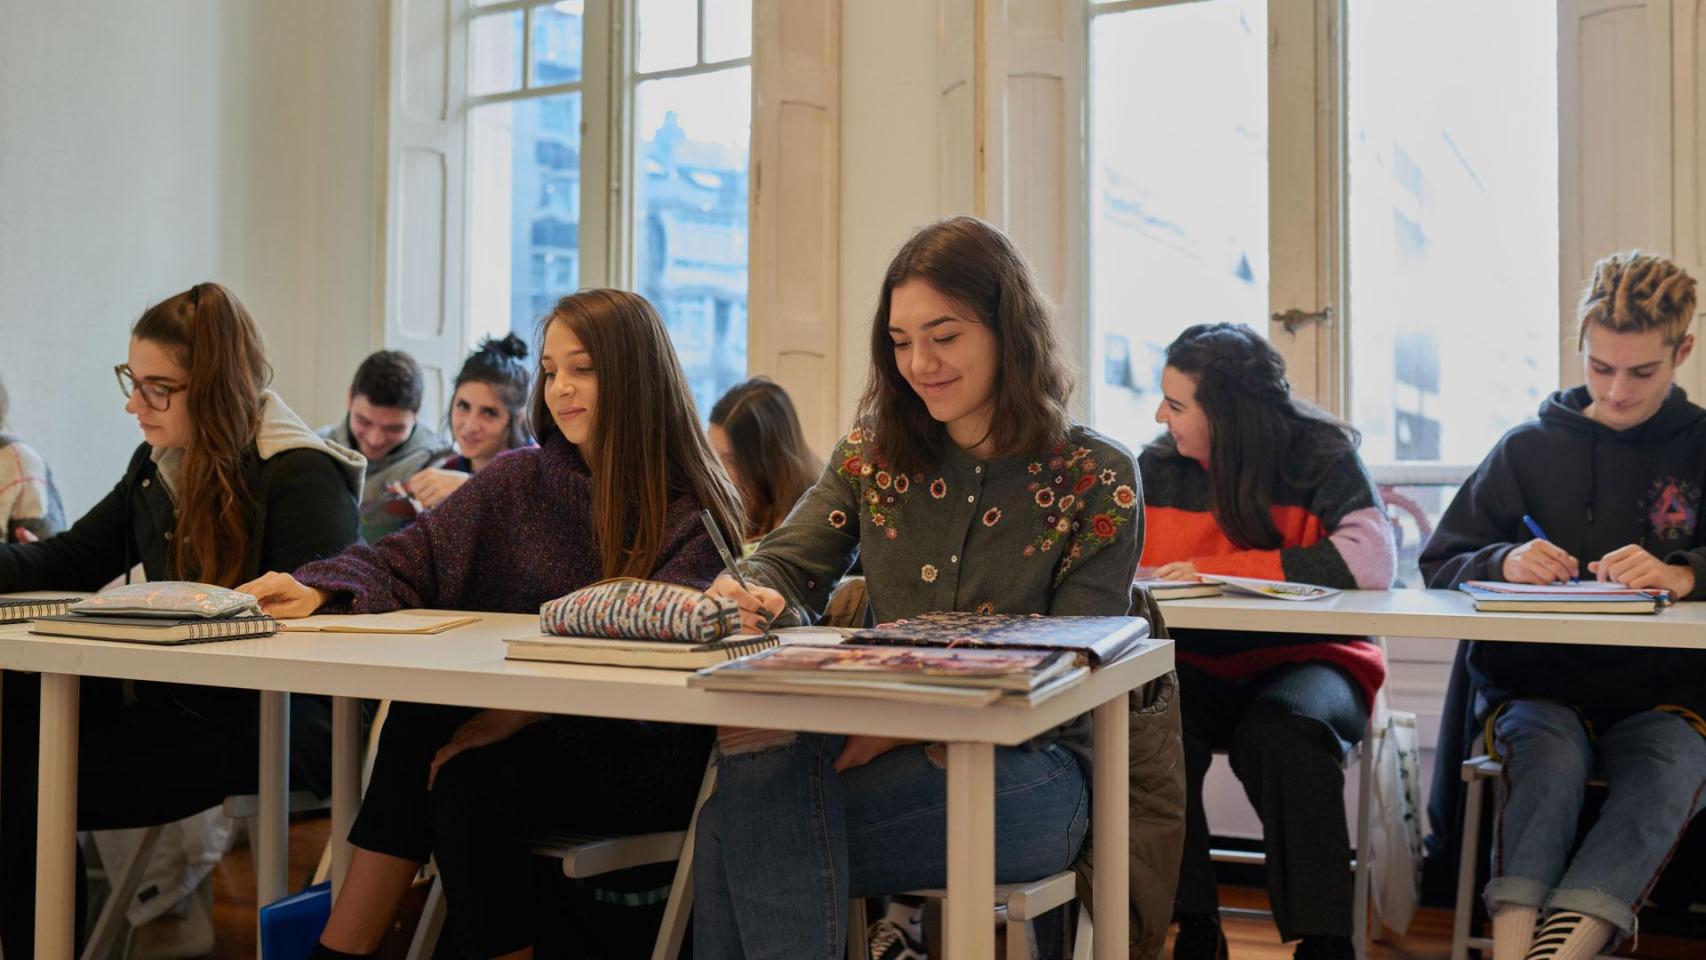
x=769 y=451
x=216 y=341
x=1262 y=439
x=646 y=446
x=976 y=265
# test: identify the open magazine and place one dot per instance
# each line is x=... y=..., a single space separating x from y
x=1271 y=589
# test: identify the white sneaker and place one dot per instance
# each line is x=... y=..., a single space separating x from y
x=891 y=941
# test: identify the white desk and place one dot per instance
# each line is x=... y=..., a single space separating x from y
x=466 y=667
x=1438 y=614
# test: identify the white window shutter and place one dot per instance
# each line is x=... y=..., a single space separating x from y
x=424 y=309
x=1619 y=138
x=1010 y=79
x=796 y=162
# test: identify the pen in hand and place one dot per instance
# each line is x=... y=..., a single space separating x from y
x=729 y=562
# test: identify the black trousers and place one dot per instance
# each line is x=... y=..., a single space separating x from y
x=1286 y=734
x=161 y=755
x=590 y=774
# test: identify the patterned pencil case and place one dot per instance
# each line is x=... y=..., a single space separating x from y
x=641 y=610
x=170 y=599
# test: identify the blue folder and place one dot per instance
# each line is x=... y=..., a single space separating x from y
x=292 y=925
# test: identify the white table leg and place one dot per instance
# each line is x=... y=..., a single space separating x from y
x=969 y=917
x=1110 y=818
x=346 y=782
x=56 y=817
x=272 y=843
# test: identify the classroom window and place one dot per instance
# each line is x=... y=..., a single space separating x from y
x=1453 y=226
x=524 y=163
x=1178 y=187
x=692 y=149
x=672 y=227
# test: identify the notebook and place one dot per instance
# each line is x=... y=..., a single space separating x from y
x=922 y=674
x=1099 y=639
x=154 y=629
x=20 y=609
x=1179 y=589
x=617 y=652
x=1588 y=596
x=375 y=623
x=1271 y=589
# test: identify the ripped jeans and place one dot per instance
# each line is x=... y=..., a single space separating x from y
x=786 y=841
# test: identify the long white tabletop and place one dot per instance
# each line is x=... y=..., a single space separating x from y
x=465 y=667
x=1440 y=614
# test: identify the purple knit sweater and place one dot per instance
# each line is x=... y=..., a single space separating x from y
x=516 y=535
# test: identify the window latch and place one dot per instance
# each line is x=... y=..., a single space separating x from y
x=1294 y=318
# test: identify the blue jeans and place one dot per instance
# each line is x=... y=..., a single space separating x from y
x=786 y=841
x=1654 y=766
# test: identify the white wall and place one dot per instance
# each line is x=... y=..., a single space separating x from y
x=889 y=141
x=145 y=147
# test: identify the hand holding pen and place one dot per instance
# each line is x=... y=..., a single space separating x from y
x=758 y=605
x=1539 y=560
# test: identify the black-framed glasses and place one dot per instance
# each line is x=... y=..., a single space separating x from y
x=156 y=395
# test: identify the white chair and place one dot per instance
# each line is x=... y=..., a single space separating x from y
x=590 y=855
x=1476 y=772
x=1016 y=904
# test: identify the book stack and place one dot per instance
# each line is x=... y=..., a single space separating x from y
x=619 y=652
x=960 y=675
x=155 y=630
x=1587 y=596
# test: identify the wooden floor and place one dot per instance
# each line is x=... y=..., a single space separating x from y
x=1429 y=937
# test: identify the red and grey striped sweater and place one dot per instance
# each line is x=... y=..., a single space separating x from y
x=1335 y=535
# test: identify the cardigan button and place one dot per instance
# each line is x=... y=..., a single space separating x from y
x=970 y=498
x=145 y=483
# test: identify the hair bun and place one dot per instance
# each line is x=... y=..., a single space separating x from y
x=510 y=346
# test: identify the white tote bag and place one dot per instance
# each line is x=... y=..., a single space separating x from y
x=1396 y=881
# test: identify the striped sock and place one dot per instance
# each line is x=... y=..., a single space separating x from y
x=1513 y=931
x=1567 y=935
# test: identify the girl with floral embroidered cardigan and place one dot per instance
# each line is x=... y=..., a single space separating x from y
x=596 y=499
x=963 y=487
x=1250 y=481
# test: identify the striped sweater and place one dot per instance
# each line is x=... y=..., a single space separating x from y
x=1335 y=535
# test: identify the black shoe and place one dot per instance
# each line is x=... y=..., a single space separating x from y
x=1324 y=948
x=1200 y=938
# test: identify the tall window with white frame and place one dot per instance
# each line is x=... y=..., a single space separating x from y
x=692 y=129
x=1178 y=190
x=525 y=97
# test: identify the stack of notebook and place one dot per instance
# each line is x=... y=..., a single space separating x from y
x=921 y=674
x=156 y=630
x=615 y=651
x=1587 y=596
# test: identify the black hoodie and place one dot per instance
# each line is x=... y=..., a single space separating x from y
x=1592 y=489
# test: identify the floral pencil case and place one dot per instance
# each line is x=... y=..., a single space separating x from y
x=633 y=609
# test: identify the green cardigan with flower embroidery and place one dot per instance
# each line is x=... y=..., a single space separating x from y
x=1058 y=532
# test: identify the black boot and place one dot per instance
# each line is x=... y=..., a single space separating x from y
x=1200 y=938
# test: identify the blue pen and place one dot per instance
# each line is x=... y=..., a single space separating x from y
x=1534 y=528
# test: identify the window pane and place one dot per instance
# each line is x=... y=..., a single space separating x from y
x=669 y=35
x=1453 y=224
x=524 y=215
x=557 y=43
x=1415 y=512
x=1179 y=192
x=494 y=54
x=728 y=30
x=690 y=241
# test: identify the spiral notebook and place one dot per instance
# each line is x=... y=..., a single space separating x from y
x=21 y=609
x=153 y=629
x=667 y=654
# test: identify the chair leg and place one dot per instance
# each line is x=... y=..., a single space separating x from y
x=1364 y=842
x=1018 y=940
x=857 y=948
x=1084 y=942
x=431 y=925
x=1466 y=860
x=680 y=905
x=112 y=922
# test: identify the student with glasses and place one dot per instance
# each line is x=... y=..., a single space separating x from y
x=227 y=483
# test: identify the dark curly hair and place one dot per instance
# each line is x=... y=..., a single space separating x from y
x=503 y=365
x=1262 y=439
